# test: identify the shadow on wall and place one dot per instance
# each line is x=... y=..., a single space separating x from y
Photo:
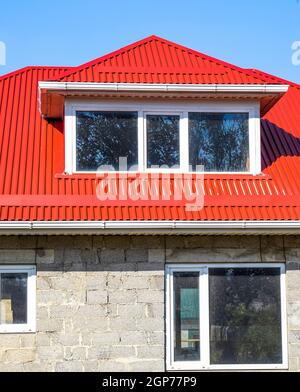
x=276 y=142
x=87 y=253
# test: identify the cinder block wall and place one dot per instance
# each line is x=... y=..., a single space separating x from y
x=100 y=299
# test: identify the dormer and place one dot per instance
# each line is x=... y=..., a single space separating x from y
x=123 y=112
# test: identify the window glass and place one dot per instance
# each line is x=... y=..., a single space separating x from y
x=245 y=316
x=105 y=137
x=13 y=298
x=186 y=317
x=219 y=141
x=163 y=141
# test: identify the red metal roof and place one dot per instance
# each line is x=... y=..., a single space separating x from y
x=33 y=185
x=156 y=60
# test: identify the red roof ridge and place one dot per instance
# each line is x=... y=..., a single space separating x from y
x=163 y=40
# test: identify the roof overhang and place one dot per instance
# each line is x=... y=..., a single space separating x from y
x=150 y=228
x=52 y=94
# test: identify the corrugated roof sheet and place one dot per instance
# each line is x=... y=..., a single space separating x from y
x=156 y=60
x=32 y=181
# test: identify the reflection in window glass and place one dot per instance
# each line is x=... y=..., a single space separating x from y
x=245 y=316
x=13 y=298
x=105 y=137
x=163 y=141
x=186 y=316
x=219 y=141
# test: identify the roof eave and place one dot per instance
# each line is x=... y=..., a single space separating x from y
x=51 y=94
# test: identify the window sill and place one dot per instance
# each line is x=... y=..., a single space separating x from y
x=224 y=368
x=17 y=329
x=208 y=175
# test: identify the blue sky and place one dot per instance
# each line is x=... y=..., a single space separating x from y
x=248 y=33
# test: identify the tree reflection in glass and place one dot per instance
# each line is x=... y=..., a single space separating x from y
x=13 y=298
x=163 y=141
x=219 y=141
x=245 y=316
x=105 y=137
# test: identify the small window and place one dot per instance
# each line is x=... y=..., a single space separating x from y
x=226 y=317
x=103 y=138
x=17 y=299
x=219 y=141
x=163 y=141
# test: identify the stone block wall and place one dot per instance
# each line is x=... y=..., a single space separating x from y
x=100 y=299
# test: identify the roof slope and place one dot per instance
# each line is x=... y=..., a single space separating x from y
x=33 y=185
x=156 y=60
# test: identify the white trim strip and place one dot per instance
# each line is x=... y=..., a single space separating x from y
x=149 y=225
x=212 y=88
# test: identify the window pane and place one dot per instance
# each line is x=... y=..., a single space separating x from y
x=219 y=141
x=186 y=317
x=245 y=316
x=104 y=137
x=163 y=140
x=13 y=298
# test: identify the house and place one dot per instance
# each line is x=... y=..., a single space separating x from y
x=149 y=215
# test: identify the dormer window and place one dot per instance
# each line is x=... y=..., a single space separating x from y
x=162 y=137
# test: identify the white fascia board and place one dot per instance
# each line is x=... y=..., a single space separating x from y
x=204 y=88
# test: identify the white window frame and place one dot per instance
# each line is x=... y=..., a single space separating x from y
x=30 y=326
x=252 y=108
x=204 y=363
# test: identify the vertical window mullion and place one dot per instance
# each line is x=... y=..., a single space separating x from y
x=70 y=139
x=284 y=326
x=204 y=316
x=172 y=318
x=29 y=291
x=184 y=142
x=31 y=299
x=254 y=141
x=0 y=294
x=141 y=142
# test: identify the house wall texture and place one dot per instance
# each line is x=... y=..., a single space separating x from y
x=100 y=299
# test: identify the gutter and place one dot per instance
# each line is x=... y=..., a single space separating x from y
x=150 y=227
x=205 y=88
